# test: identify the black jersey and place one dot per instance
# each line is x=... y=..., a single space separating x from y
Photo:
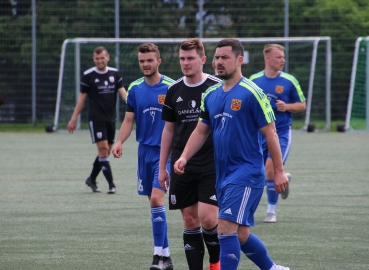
x=101 y=88
x=182 y=105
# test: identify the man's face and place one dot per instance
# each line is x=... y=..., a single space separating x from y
x=275 y=59
x=101 y=60
x=225 y=62
x=191 y=63
x=149 y=63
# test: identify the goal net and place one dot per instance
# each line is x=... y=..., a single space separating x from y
x=357 y=116
x=307 y=58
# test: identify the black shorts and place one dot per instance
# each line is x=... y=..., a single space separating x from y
x=102 y=131
x=190 y=188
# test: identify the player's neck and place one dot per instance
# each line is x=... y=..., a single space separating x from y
x=199 y=77
x=271 y=73
x=231 y=82
x=154 y=79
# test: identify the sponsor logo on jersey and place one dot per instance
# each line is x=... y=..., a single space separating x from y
x=161 y=99
x=279 y=89
x=173 y=199
x=111 y=79
x=192 y=104
x=236 y=104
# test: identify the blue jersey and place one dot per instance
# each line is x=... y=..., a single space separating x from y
x=235 y=118
x=283 y=87
x=146 y=101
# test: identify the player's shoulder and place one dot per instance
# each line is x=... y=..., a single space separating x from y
x=289 y=77
x=136 y=83
x=176 y=84
x=257 y=75
x=89 y=71
x=214 y=79
x=167 y=80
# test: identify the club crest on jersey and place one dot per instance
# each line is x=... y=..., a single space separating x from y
x=236 y=104
x=161 y=99
x=111 y=79
x=279 y=89
x=173 y=199
x=99 y=135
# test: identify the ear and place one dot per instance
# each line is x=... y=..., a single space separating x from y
x=159 y=61
x=240 y=60
x=203 y=59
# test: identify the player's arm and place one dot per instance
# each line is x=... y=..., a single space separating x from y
x=123 y=93
x=124 y=132
x=194 y=143
x=270 y=134
x=291 y=107
x=165 y=149
x=77 y=110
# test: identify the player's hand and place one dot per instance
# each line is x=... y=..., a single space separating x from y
x=117 y=150
x=280 y=182
x=164 y=179
x=180 y=165
x=71 y=126
x=281 y=105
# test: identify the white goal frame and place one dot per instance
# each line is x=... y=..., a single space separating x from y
x=352 y=83
x=314 y=40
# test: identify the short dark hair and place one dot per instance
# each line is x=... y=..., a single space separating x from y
x=149 y=47
x=236 y=45
x=193 y=43
x=100 y=49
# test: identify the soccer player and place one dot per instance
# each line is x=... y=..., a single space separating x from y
x=193 y=192
x=144 y=106
x=233 y=113
x=100 y=84
x=285 y=96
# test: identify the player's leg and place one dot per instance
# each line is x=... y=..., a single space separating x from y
x=208 y=214
x=273 y=196
x=250 y=244
x=183 y=195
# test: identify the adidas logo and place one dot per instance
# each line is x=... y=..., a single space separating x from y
x=158 y=219
x=179 y=99
x=103 y=168
x=232 y=256
x=188 y=247
x=212 y=243
x=228 y=211
x=97 y=80
x=214 y=198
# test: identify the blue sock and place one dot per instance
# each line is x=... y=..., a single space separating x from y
x=159 y=225
x=255 y=250
x=272 y=194
x=230 y=253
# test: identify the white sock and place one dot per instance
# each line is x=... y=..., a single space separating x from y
x=271 y=209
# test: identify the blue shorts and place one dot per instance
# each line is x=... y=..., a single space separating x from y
x=148 y=169
x=285 y=140
x=238 y=203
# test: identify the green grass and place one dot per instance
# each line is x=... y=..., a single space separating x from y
x=51 y=220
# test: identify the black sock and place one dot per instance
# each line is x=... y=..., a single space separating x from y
x=105 y=167
x=194 y=248
x=95 y=170
x=212 y=243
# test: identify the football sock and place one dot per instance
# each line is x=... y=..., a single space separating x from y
x=158 y=220
x=255 y=250
x=166 y=251
x=272 y=196
x=212 y=243
x=230 y=253
x=105 y=167
x=193 y=244
x=95 y=170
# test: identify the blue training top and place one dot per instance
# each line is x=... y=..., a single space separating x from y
x=283 y=87
x=235 y=118
x=146 y=101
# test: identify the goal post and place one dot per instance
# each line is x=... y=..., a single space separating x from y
x=309 y=60
x=357 y=116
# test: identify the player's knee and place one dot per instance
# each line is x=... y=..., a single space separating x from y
x=191 y=221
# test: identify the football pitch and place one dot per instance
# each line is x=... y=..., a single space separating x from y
x=49 y=219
